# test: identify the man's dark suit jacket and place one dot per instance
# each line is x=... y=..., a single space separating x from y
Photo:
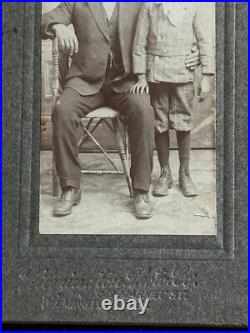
x=87 y=72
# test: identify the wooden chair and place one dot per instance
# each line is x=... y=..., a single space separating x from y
x=104 y=115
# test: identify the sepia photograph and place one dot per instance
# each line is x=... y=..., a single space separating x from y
x=128 y=118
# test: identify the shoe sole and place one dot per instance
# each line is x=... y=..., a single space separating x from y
x=155 y=194
x=143 y=217
x=188 y=195
x=62 y=214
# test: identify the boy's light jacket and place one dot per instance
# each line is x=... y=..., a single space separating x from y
x=163 y=41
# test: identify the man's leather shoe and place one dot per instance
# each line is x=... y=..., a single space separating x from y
x=142 y=206
x=186 y=184
x=164 y=183
x=70 y=197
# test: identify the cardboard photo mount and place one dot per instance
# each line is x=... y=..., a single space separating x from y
x=62 y=279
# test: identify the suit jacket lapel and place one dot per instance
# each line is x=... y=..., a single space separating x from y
x=99 y=16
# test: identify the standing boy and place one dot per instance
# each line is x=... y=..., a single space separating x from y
x=165 y=34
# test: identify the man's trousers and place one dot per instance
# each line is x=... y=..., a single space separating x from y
x=138 y=113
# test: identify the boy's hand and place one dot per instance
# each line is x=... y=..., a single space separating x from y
x=204 y=88
x=141 y=86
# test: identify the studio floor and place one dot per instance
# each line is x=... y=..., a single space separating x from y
x=107 y=209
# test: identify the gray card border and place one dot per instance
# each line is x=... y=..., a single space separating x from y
x=174 y=247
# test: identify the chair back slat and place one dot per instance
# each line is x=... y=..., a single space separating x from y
x=60 y=68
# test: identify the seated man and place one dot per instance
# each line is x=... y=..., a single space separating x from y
x=100 y=75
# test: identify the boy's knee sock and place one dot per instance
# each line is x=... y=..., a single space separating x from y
x=162 y=147
x=184 y=145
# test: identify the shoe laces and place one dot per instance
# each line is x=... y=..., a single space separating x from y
x=165 y=173
x=187 y=176
x=67 y=193
x=165 y=170
x=189 y=180
x=141 y=197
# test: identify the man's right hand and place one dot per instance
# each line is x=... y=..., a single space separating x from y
x=141 y=86
x=193 y=59
x=67 y=39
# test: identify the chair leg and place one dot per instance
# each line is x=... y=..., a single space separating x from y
x=126 y=142
x=56 y=188
x=123 y=155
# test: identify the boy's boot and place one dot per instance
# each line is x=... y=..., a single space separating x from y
x=164 y=183
x=185 y=181
x=186 y=184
